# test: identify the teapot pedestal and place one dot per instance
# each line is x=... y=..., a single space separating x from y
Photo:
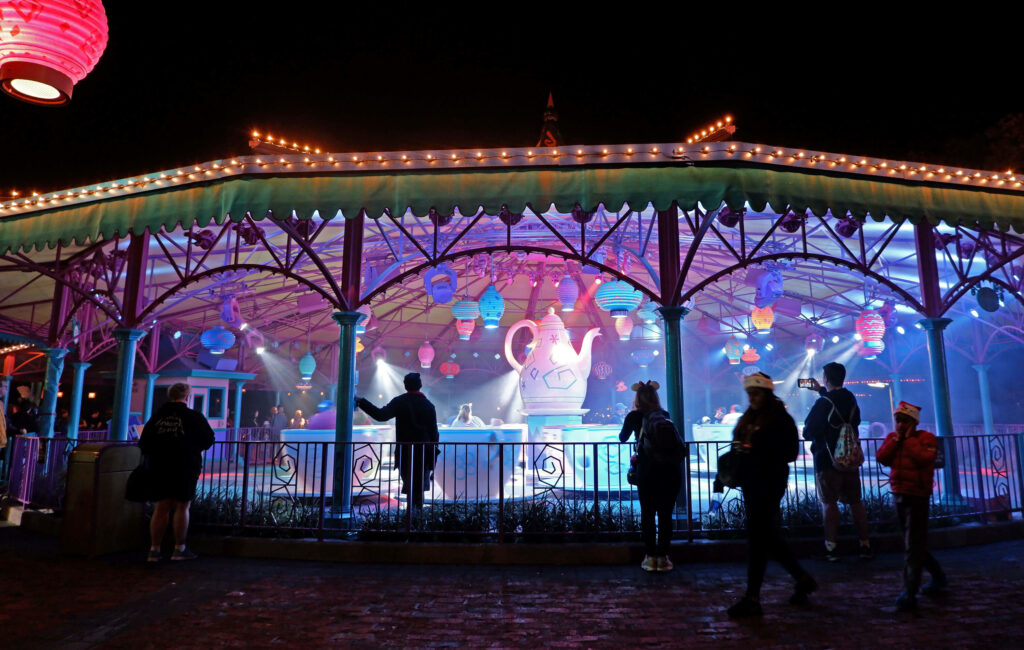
x=544 y=426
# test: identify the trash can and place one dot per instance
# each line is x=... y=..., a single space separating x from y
x=97 y=519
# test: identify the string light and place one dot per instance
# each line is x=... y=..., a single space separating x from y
x=722 y=128
x=14 y=348
x=756 y=154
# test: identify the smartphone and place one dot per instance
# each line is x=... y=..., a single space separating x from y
x=803 y=383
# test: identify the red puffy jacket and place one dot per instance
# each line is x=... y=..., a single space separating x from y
x=912 y=461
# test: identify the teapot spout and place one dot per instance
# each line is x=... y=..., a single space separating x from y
x=585 y=350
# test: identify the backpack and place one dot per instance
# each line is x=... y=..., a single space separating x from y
x=660 y=439
x=848 y=455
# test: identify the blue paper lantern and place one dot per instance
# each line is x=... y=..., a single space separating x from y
x=492 y=307
x=568 y=292
x=307 y=366
x=642 y=357
x=217 y=339
x=466 y=309
x=618 y=298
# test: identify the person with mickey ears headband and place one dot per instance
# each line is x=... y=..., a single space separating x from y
x=910 y=453
x=658 y=483
x=766 y=439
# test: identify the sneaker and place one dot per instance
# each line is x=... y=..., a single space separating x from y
x=650 y=563
x=804 y=587
x=867 y=552
x=183 y=555
x=833 y=555
x=664 y=564
x=154 y=556
x=745 y=607
x=906 y=602
x=936 y=586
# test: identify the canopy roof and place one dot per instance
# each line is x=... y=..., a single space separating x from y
x=740 y=174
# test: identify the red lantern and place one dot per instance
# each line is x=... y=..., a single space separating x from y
x=449 y=369
x=871 y=326
x=465 y=328
x=48 y=46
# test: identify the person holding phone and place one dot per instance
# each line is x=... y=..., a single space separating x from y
x=835 y=405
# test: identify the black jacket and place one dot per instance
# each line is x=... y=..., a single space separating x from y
x=415 y=417
x=768 y=442
x=823 y=423
x=168 y=446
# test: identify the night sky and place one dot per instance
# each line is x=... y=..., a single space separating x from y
x=188 y=85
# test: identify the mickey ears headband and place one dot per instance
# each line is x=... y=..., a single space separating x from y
x=653 y=384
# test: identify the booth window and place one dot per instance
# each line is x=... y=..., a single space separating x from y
x=216 y=403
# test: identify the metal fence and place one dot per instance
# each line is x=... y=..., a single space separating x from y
x=512 y=491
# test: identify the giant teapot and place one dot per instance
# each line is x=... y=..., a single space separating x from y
x=554 y=376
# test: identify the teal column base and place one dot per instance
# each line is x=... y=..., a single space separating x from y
x=344 y=401
x=51 y=384
x=147 y=407
x=77 y=389
x=986 y=398
x=933 y=328
x=126 y=339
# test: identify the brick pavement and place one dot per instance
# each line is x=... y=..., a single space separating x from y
x=50 y=601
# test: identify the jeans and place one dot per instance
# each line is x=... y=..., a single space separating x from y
x=658 y=487
x=912 y=512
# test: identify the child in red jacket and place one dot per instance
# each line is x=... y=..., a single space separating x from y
x=911 y=456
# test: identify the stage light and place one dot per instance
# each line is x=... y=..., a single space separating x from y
x=835 y=339
x=974 y=312
x=241 y=328
x=769 y=347
x=260 y=349
x=177 y=334
x=899 y=328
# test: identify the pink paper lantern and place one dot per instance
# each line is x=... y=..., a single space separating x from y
x=425 y=354
x=48 y=46
x=870 y=325
x=602 y=370
x=465 y=328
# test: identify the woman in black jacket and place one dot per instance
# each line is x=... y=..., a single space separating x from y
x=766 y=438
x=658 y=483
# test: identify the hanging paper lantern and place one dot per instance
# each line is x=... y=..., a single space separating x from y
x=870 y=349
x=48 y=46
x=449 y=369
x=602 y=370
x=624 y=327
x=440 y=283
x=847 y=227
x=762 y=318
x=425 y=354
x=359 y=345
x=750 y=355
x=492 y=307
x=230 y=312
x=466 y=309
x=733 y=350
x=307 y=366
x=303 y=386
x=217 y=339
x=618 y=298
x=648 y=313
x=871 y=327
x=465 y=328
x=364 y=320
x=814 y=343
x=568 y=292
x=750 y=370
x=642 y=357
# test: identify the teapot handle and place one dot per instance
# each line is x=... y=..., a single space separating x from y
x=508 y=342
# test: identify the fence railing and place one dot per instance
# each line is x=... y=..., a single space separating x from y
x=507 y=491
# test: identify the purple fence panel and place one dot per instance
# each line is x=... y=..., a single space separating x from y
x=24 y=459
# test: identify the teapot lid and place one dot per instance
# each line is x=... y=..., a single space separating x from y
x=552 y=320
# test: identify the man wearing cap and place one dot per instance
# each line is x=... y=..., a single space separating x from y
x=822 y=427
x=910 y=454
x=415 y=432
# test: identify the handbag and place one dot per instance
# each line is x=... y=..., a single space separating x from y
x=729 y=469
x=633 y=474
x=138 y=488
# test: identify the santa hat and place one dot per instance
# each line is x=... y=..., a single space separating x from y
x=908 y=409
x=758 y=380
